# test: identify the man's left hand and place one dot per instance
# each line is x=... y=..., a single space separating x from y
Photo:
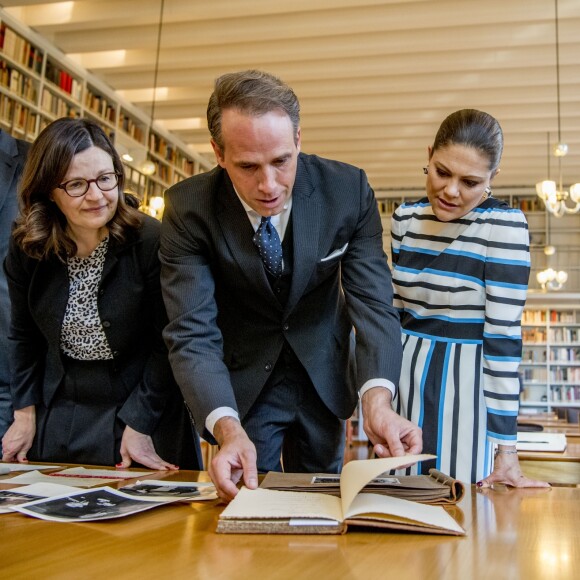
x=391 y=434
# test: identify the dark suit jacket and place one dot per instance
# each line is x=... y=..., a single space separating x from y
x=133 y=316
x=227 y=327
x=12 y=155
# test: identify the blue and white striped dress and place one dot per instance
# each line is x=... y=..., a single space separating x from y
x=460 y=288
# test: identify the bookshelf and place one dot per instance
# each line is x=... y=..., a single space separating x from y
x=550 y=367
x=39 y=84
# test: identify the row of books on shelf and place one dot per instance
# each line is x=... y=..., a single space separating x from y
x=20 y=50
x=536 y=375
x=564 y=354
x=562 y=316
x=565 y=375
x=51 y=103
x=554 y=316
x=130 y=127
x=18 y=83
x=527 y=204
x=565 y=393
x=534 y=356
x=17 y=116
x=553 y=335
x=63 y=80
x=101 y=106
x=536 y=335
x=563 y=335
x=557 y=355
x=534 y=317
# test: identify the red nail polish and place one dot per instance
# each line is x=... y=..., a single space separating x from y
x=479 y=484
x=119 y=465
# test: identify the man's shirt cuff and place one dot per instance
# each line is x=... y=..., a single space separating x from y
x=372 y=383
x=218 y=414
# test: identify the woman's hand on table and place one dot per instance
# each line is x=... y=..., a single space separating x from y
x=507 y=470
x=20 y=435
x=138 y=447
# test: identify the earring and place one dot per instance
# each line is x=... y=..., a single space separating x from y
x=426 y=170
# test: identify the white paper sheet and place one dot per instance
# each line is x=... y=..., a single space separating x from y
x=13 y=467
x=541 y=441
x=37 y=477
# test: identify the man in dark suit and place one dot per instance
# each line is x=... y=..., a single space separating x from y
x=12 y=154
x=270 y=346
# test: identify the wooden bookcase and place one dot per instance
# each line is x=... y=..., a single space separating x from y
x=39 y=84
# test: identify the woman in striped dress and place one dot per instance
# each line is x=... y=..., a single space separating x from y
x=461 y=265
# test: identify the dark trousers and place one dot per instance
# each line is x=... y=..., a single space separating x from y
x=81 y=425
x=290 y=425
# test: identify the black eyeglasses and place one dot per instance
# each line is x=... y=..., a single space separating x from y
x=78 y=187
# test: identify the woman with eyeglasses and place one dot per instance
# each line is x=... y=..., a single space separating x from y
x=91 y=380
x=461 y=264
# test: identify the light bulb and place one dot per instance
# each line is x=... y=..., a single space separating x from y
x=575 y=192
x=560 y=149
x=546 y=189
x=156 y=203
x=549 y=250
x=542 y=277
x=148 y=167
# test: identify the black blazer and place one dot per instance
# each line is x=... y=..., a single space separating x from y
x=227 y=328
x=12 y=155
x=131 y=310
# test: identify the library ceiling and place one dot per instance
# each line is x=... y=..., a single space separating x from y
x=375 y=78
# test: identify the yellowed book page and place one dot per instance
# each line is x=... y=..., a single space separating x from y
x=356 y=474
x=436 y=516
x=272 y=504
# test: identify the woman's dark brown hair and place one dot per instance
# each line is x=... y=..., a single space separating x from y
x=40 y=228
x=475 y=129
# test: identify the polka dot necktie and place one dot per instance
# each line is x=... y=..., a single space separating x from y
x=268 y=243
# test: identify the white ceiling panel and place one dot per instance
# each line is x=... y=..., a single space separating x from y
x=375 y=78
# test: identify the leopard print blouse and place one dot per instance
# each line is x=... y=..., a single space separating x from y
x=82 y=336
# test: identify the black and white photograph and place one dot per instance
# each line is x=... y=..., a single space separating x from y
x=96 y=504
x=9 y=498
x=170 y=490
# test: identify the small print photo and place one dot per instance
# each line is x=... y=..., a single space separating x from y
x=96 y=504
x=146 y=490
x=9 y=498
x=385 y=481
x=335 y=479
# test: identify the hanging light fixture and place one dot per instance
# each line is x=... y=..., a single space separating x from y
x=550 y=279
x=148 y=167
x=549 y=249
x=551 y=193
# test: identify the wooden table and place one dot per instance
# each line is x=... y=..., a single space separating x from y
x=558 y=468
x=525 y=534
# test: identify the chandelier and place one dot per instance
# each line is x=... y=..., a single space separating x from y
x=549 y=279
x=551 y=193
